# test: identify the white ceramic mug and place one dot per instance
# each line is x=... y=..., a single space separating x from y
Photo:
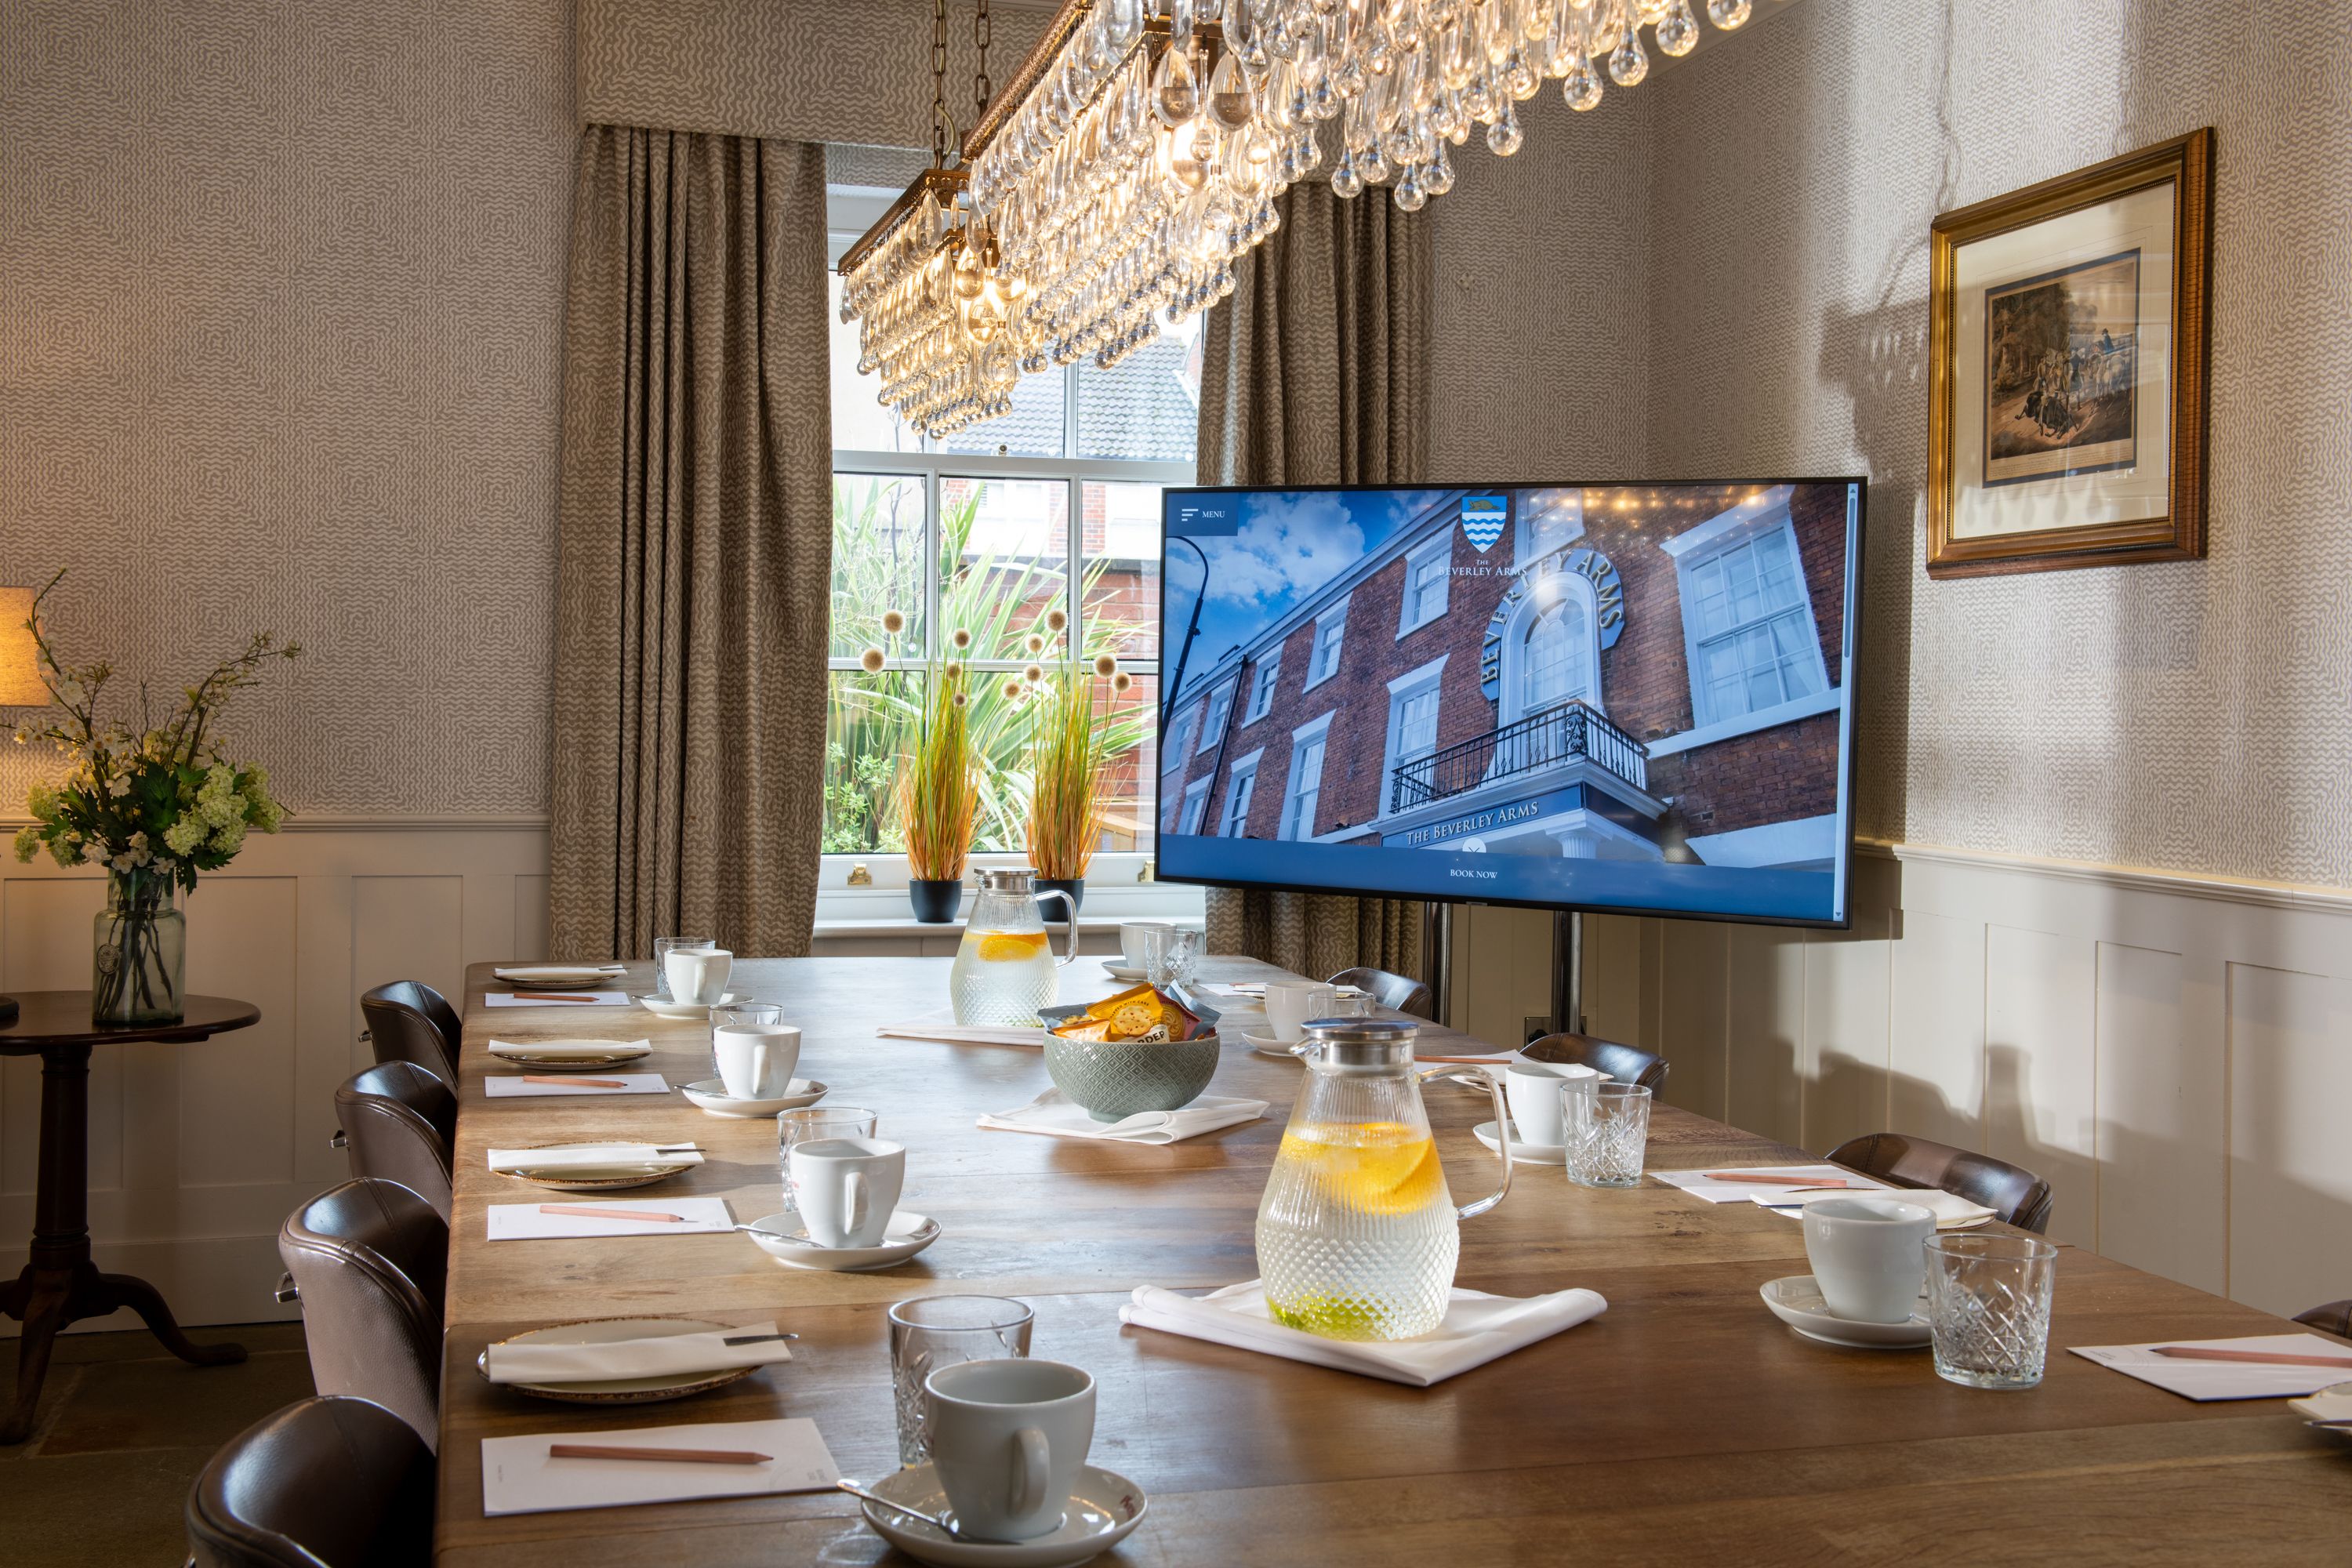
x=1130 y=940
x=1289 y=1003
x=1867 y=1255
x=698 y=974
x=845 y=1188
x=756 y=1060
x=1008 y=1436
x=1534 y=1090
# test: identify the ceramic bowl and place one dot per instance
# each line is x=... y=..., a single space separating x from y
x=1117 y=1079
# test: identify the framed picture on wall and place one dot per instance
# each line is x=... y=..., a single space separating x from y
x=2067 y=346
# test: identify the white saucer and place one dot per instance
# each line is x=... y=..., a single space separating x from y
x=1127 y=972
x=787 y=1242
x=712 y=1096
x=666 y=1008
x=1266 y=1045
x=2332 y=1402
x=1522 y=1152
x=620 y=1390
x=570 y=1055
x=1104 y=1507
x=1797 y=1301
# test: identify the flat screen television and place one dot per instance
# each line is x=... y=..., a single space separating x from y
x=1632 y=698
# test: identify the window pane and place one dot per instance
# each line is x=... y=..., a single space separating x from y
x=1148 y=406
x=1120 y=533
x=1126 y=795
x=878 y=562
x=1034 y=428
x=860 y=422
x=865 y=732
x=1004 y=556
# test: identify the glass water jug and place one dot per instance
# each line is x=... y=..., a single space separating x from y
x=1003 y=970
x=1357 y=1234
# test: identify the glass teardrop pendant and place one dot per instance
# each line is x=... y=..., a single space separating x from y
x=1726 y=14
x=1504 y=137
x=1581 y=86
x=1346 y=182
x=1228 y=101
x=1438 y=178
x=1677 y=30
x=1175 y=93
x=1627 y=63
x=1409 y=195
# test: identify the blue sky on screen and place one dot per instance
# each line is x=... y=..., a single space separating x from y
x=1290 y=544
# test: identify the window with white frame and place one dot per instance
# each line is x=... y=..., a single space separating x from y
x=1180 y=740
x=1331 y=631
x=1413 y=725
x=1241 y=784
x=1748 y=622
x=1196 y=805
x=1269 y=671
x=974 y=547
x=1548 y=520
x=1426 y=573
x=1303 y=792
x=1221 y=703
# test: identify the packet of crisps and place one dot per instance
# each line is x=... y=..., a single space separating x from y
x=1140 y=1014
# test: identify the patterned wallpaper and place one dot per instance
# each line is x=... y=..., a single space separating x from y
x=280 y=339
x=2188 y=716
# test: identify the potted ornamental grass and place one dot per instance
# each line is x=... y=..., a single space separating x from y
x=938 y=796
x=155 y=807
x=1072 y=740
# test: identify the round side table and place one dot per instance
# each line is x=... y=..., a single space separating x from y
x=59 y=1284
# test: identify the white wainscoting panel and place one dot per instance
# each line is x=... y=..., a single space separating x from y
x=197 y=1153
x=2172 y=1052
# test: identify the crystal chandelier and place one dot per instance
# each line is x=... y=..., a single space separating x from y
x=1139 y=152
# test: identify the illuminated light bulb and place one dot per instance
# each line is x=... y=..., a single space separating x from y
x=1228 y=103
x=1581 y=86
x=1726 y=14
x=1176 y=92
x=1627 y=63
x=1677 y=30
x=1181 y=153
x=1504 y=137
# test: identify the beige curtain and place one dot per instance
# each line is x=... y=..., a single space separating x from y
x=694 y=546
x=1317 y=372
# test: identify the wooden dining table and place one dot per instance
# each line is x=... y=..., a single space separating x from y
x=1685 y=1424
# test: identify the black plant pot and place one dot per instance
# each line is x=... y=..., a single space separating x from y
x=936 y=899
x=1076 y=887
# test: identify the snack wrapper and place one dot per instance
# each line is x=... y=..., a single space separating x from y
x=1141 y=1013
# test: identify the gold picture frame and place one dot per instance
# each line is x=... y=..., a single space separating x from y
x=2067 y=358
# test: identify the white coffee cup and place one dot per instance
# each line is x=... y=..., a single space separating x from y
x=846 y=1188
x=1868 y=1255
x=756 y=1060
x=1289 y=1003
x=1008 y=1436
x=1130 y=940
x=1534 y=1090
x=696 y=974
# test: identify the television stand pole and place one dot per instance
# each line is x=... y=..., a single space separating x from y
x=1568 y=973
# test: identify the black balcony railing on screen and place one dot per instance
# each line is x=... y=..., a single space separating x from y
x=1541 y=741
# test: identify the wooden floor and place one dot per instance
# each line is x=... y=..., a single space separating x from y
x=1685 y=1424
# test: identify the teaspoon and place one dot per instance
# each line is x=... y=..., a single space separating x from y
x=854 y=1490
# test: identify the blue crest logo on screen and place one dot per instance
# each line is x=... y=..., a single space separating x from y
x=1483 y=519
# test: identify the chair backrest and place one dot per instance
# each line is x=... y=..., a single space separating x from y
x=335 y=1480
x=369 y=1259
x=2336 y=1318
x=1626 y=1063
x=1400 y=991
x=408 y=1021
x=2014 y=1193
x=400 y=1122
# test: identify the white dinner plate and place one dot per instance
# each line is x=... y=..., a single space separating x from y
x=1266 y=1045
x=619 y=1390
x=1104 y=1507
x=612 y=1178
x=559 y=977
x=1522 y=1151
x=782 y=1237
x=1797 y=1301
x=570 y=1055
x=711 y=1096
x=666 y=1008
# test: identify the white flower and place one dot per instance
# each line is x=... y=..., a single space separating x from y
x=118 y=787
x=229 y=839
x=120 y=862
x=139 y=841
x=183 y=836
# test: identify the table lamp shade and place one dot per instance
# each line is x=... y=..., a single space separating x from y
x=20 y=670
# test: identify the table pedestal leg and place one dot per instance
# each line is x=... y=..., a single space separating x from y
x=59 y=1284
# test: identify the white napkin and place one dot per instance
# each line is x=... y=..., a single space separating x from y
x=520 y=1476
x=567 y=1051
x=631 y=1082
x=1696 y=1184
x=660 y=1355
x=532 y=970
x=1053 y=1114
x=545 y=999
x=942 y=1026
x=1477 y=1329
x=524 y=1222
x=576 y=1156
x=1952 y=1211
x=2204 y=1380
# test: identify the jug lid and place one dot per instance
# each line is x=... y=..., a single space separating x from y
x=1360 y=1042
x=1007 y=879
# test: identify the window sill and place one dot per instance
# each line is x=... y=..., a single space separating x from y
x=1823 y=702
x=1113 y=894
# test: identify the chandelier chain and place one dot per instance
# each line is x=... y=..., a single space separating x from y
x=939 y=84
x=982 y=90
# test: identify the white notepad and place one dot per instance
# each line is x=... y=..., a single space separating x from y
x=537 y=999
x=632 y=1082
x=2203 y=1380
x=1697 y=1184
x=519 y=1476
x=524 y=1222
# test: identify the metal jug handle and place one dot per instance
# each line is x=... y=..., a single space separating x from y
x=1492 y=1082
x=1069 y=924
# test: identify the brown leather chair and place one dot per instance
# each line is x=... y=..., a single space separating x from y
x=334 y=1481
x=408 y=1021
x=2336 y=1318
x=400 y=1122
x=368 y=1261
x=1397 y=991
x=1626 y=1063
x=2014 y=1193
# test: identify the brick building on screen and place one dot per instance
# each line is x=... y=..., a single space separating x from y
x=1624 y=673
